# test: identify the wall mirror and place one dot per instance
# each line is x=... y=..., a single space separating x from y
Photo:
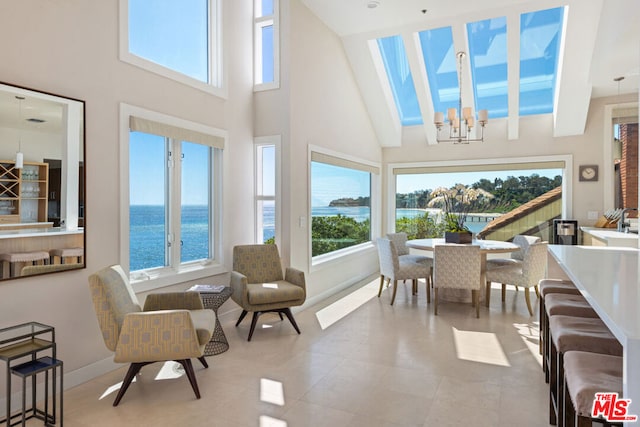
x=42 y=176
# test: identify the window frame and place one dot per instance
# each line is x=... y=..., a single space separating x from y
x=500 y=163
x=150 y=279
x=319 y=261
x=217 y=84
x=259 y=22
x=260 y=142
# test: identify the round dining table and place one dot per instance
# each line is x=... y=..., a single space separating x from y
x=486 y=247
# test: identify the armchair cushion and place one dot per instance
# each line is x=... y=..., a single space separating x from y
x=173 y=301
x=263 y=293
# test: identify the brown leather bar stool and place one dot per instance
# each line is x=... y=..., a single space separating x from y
x=14 y=260
x=585 y=375
x=563 y=304
x=65 y=253
x=568 y=333
x=551 y=286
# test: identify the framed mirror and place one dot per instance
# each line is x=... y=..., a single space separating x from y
x=42 y=182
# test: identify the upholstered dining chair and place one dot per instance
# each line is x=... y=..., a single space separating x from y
x=523 y=241
x=527 y=274
x=259 y=286
x=393 y=268
x=171 y=326
x=457 y=267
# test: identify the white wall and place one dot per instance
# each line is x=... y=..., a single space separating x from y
x=71 y=48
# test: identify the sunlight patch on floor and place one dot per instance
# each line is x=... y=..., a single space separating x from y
x=271 y=392
x=349 y=303
x=169 y=371
x=266 y=421
x=113 y=389
x=530 y=335
x=482 y=347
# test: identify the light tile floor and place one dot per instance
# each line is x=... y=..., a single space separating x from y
x=377 y=365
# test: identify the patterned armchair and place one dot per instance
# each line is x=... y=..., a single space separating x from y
x=259 y=286
x=457 y=267
x=171 y=326
x=528 y=274
x=394 y=268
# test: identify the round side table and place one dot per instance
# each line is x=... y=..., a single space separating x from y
x=218 y=342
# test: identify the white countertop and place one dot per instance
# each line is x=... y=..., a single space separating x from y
x=613 y=237
x=608 y=278
x=38 y=232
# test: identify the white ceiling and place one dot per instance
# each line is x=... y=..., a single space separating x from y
x=601 y=42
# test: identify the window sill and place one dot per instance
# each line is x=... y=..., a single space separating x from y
x=144 y=281
x=322 y=261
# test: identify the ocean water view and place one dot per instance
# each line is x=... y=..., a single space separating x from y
x=148 y=233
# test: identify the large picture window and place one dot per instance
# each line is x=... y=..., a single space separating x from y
x=179 y=40
x=341 y=213
x=173 y=186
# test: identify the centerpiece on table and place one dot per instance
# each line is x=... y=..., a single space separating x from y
x=456 y=203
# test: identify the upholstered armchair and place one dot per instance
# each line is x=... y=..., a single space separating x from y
x=527 y=274
x=259 y=286
x=171 y=326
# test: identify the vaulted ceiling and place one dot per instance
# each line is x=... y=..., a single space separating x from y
x=600 y=42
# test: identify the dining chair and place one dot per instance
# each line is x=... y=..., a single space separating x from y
x=527 y=274
x=400 y=240
x=523 y=241
x=457 y=267
x=394 y=269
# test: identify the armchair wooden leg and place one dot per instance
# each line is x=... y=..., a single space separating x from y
x=287 y=312
x=428 y=280
x=203 y=361
x=504 y=292
x=254 y=321
x=134 y=368
x=188 y=369
x=381 y=285
x=244 y=313
x=435 y=301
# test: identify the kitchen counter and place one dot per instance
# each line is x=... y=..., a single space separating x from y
x=608 y=278
x=38 y=232
x=608 y=237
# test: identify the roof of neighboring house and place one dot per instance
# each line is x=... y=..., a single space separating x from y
x=523 y=210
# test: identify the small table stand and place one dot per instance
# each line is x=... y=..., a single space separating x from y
x=218 y=342
x=26 y=341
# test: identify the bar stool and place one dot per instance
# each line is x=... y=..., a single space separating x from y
x=64 y=253
x=12 y=259
x=568 y=333
x=562 y=304
x=585 y=375
x=551 y=286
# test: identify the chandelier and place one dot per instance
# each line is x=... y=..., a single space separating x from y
x=461 y=120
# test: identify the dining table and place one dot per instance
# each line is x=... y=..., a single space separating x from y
x=487 y=247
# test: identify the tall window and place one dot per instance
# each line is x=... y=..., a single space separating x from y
x=171 y=196
x=177 y=39
x=340 y=203
x=266 y=44
x=267 y=185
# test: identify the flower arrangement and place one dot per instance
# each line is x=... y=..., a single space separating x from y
x=457 y=202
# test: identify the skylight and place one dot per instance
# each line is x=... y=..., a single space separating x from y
x=400 y=80
x=540 y=38
x=488 y=56
x=440 y=62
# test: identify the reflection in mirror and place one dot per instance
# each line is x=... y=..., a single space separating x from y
x=42 y=179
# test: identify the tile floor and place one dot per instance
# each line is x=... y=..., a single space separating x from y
x=359 y=362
